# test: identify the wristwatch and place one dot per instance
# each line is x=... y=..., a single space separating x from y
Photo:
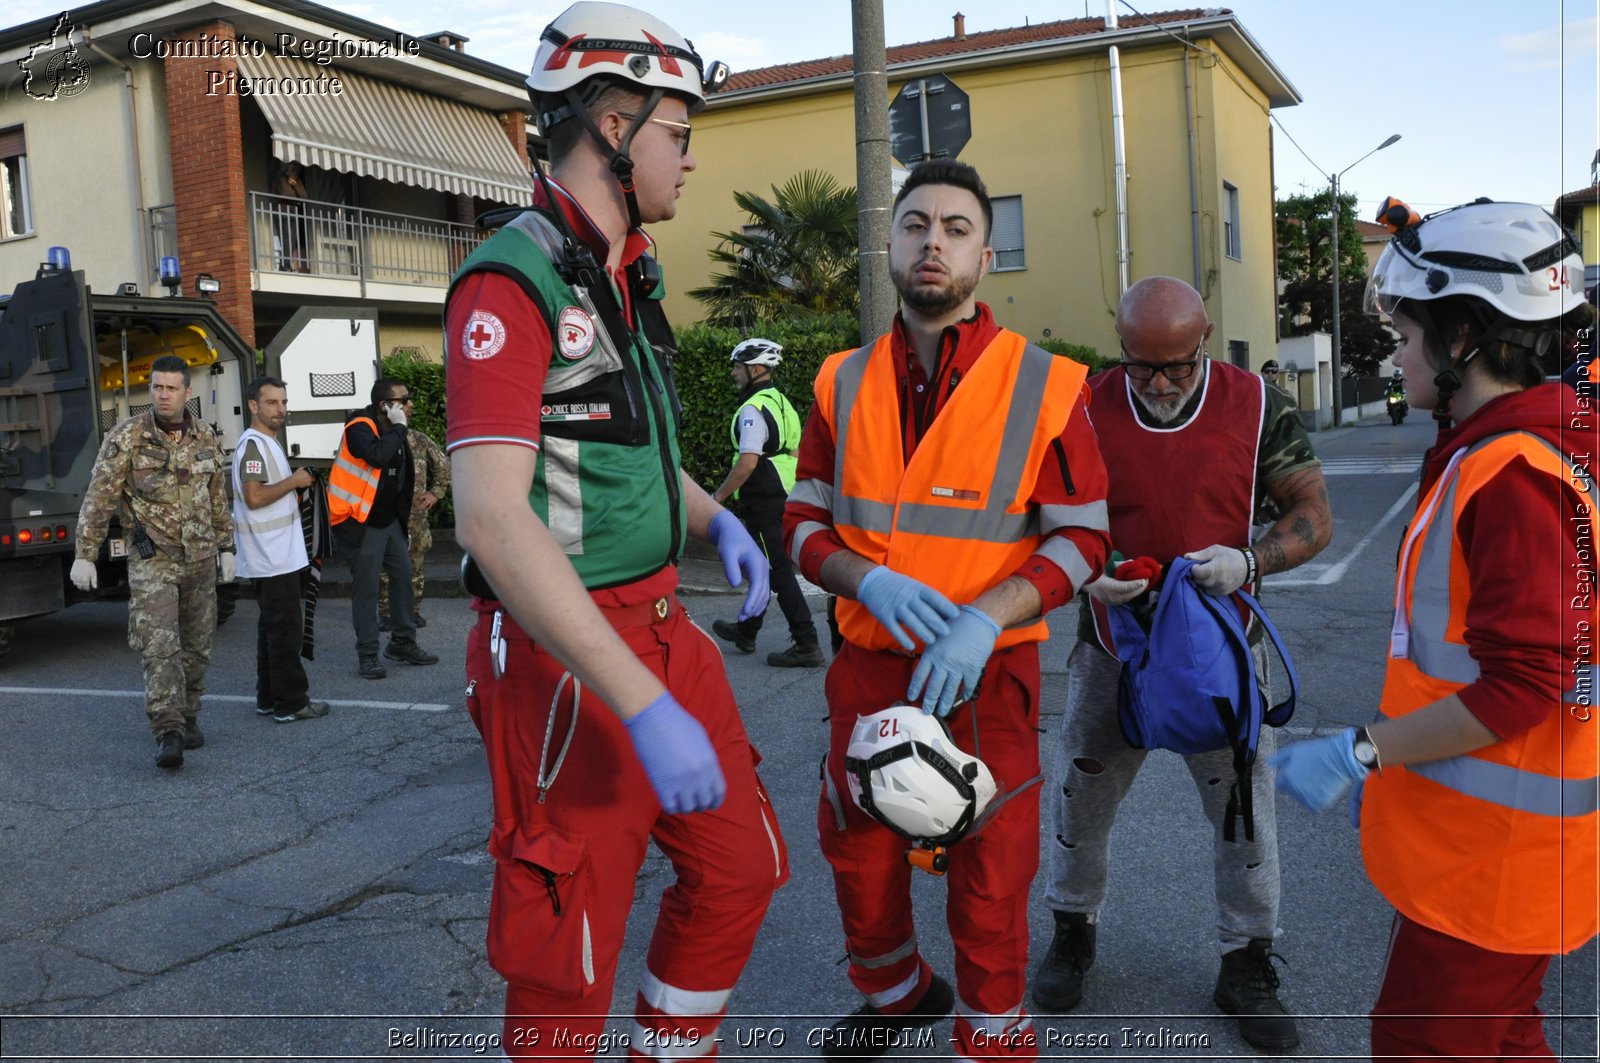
x=1364 y=751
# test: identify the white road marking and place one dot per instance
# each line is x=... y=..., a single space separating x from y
x=85 y=692
x=1320 y=575
x=1371 y=466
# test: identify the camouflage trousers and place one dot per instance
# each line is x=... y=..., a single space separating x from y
x=421 y=540
x=172 y=611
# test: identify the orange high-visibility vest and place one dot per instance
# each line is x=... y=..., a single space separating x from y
x=1495 y=847
x=352 y=483
x=958 y=517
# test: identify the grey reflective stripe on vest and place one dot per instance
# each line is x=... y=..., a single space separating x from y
x=359 y=471
x=603 y=356
x=990 y=524
x=563 y=493
x=1429 y=620
x=259 y=527
x=1522 y=791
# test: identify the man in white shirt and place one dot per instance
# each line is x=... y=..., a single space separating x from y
x=272 y=553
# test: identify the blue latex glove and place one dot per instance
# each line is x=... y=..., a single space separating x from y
x=677 y=756
x=1355 y=804
x=952 y=665
x=893 y=600
x=742 y=560
x=1315 y=773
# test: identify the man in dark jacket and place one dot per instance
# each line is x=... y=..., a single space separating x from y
x=369 y=497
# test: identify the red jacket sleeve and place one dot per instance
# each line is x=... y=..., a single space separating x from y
x=808 y=516
x=496 y=353
x=1521 y=627
x=1070 y=494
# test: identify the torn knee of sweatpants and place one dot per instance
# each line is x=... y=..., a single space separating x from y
x=1088 y=766
x=1062 y=841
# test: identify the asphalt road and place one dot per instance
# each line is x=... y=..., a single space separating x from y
x=320 y=890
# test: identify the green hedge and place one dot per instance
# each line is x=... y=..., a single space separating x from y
x=705 y=384
x=1077 y=352
x=426 y=381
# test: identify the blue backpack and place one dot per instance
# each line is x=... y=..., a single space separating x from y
x=1189 y=682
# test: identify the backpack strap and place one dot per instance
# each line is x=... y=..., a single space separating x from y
x=1279 y=714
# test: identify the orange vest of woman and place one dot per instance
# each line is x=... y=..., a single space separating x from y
x=1495 y=847
x=352 y=483
x=958 y=517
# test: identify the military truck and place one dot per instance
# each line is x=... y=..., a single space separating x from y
x=74 y=363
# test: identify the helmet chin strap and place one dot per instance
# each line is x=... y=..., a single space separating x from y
x=620 y=163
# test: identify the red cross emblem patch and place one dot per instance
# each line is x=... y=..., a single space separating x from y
x=483 y=336
x=575 y=332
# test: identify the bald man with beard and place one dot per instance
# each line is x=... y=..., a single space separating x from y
x=1191 y=445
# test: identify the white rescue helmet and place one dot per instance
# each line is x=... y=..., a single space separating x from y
x=757 y=351
x=905 y=771
x=597 y=40
x=1516 y=257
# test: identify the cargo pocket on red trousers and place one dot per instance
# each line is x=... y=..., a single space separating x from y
x=539 y=933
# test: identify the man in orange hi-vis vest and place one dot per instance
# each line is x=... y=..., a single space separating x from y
x=369 y=499
x=951 y=492
x=1476 y=781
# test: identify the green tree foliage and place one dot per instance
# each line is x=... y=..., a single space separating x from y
x=1304 y=251
x=426 y=380
x=705 y=384
x=798 y=255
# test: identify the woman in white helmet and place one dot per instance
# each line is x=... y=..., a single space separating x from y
x=1476 y=781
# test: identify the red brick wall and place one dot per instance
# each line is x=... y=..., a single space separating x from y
x=515 y=124
x=208 y=180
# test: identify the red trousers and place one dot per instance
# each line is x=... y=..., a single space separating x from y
x=990 y=871
x=1442 y=996
x=566 y=860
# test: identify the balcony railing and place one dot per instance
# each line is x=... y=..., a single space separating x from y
x=290 y=235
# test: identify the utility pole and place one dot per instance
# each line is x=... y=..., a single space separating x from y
x=1338 y=366
x=878 y=298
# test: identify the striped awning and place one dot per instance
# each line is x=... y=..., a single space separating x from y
x=377 y=129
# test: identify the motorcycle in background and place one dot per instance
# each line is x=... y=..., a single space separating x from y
x=1397 y=407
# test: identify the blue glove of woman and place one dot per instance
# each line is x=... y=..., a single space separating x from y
x=1315 y=773
x=893 y=600
x=953 y=664
x=677 y=756
x=742 y=560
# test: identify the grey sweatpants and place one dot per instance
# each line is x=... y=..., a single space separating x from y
x=1096 y=768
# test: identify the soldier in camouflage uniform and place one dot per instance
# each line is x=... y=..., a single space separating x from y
x=163 y=472
x=430 y=471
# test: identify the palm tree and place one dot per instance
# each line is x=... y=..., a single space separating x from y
x=796 y=255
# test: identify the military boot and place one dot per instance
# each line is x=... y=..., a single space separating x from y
x=193 y=737
x=798 y=655
x=1058 y=981
x=371 y=667
x=868 y=1032
x=743 y=639
x=1247 y=986
x=409 y=652
x=169 y=749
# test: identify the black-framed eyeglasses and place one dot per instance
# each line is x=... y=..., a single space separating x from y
x=1173 y=371
x=680 y=130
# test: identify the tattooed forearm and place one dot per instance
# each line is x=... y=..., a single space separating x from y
x=1305 y=527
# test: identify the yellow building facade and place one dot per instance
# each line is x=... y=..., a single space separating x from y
x=1042 y=131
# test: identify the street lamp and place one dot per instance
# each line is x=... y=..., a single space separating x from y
x=1338 y=374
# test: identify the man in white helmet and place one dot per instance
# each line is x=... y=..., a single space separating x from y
x=1476 y=781
x=766 y=434
x=951 y=492
x=605 y=711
